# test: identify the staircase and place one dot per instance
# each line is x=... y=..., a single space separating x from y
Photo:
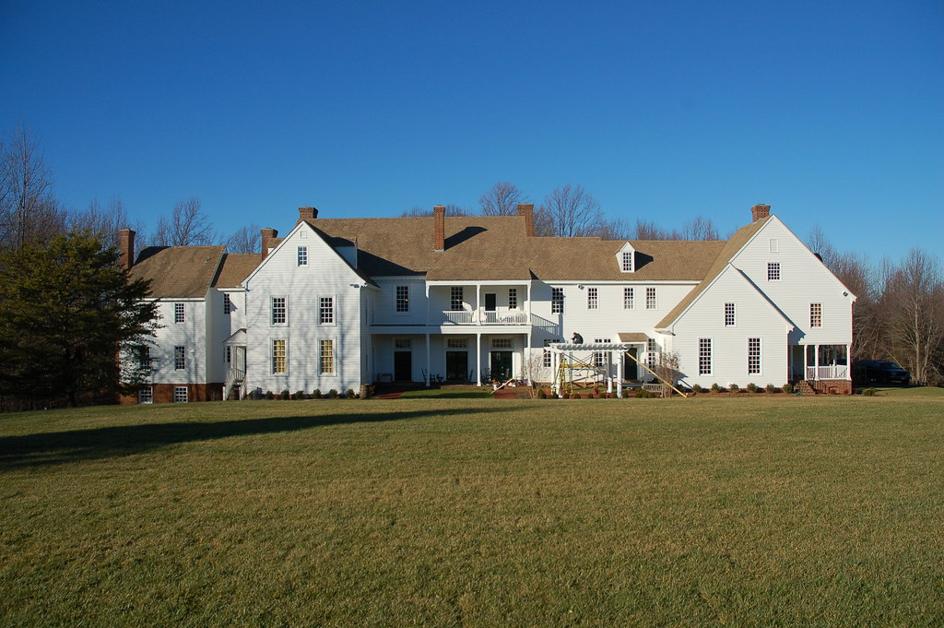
x=805 y=388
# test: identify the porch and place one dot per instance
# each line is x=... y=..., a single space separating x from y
x=817 y=362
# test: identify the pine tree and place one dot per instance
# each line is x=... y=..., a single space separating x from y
x=66 y=308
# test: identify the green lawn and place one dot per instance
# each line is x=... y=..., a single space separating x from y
x=763 y=510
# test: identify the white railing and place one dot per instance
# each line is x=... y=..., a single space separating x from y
x=482 y=317
x=458 y=317
x=235 y=375
x=831 y=371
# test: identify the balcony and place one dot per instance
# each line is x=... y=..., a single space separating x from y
x=485 y=317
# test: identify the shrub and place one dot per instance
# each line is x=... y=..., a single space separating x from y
x=350 y=394
x=642 y=393
x=870 y=392
x=772 y=389
x=697 y=389
x=332 y=394
x=752 y=387
x=715 y=388
x=542 y=394
x=735 y=388
x=298 y=394
x=285 y=395
x=788 y=388
x=316 y=394
x=269 y=395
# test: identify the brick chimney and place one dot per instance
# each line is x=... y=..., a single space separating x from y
x=439 y=228
x=307 y=213
x=527 y=210
x=268 y=234
x=759 y=211
x=125 y=248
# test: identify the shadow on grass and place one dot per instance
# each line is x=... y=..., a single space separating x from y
x=104 y=442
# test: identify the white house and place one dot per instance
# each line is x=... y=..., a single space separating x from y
x=340 y=303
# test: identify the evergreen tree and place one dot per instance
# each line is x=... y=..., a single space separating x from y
x=66 y=308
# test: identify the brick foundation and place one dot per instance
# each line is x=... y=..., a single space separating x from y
x=164 y=393
x=832 y=386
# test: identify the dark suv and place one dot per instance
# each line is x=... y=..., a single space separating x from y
x=883 y=372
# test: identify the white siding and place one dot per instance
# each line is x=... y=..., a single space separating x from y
x=190 y=334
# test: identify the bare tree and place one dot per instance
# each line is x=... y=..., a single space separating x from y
x=501 y=200
x=648 y=230
x=700 y=228
x=28 y=211
x=187 y=226
x=916 y=319
x=101 y=222
x=451 y=210
x=569 y=210
x=245 y=240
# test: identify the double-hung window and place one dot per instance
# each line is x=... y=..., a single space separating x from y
x=599 y=357
x=753 y=356
x=279 y=311
x=773 y=271
x=180 y=394
x=729 y=315
x=704 y=356
x=593 y=299
x=557 y=300
x=326 y=311
x=302 y=256
x=651 y=353
x=326 y=359
x=146 y=394
x=512 y=298
x=650 y=298
x=278 y=356
x=144 y=358
x=180 y=358
x=629 y=298
x=403 y=299
x=816 y=314
x=627 y=261
x=178 y=312
x=456 y=299
x=548 y=363
x=227 y=303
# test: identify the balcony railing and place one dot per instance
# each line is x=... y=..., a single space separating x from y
x=235 y=376
x=831 y=371
x=459 y=317
x=482 y=317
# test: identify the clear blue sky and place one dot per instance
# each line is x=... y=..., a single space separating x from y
x=831 y=112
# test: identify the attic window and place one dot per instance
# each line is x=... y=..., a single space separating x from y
x=626 y=258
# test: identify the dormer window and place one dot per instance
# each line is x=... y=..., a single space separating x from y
x=627 y=258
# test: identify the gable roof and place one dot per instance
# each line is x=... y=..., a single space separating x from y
x=235 y=268
x=731 y=248
x=178 y=271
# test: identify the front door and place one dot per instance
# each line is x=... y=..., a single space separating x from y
x=630 y=366
x=403 y=366
x=490 y=301
x=457 y=366
x=500 y=365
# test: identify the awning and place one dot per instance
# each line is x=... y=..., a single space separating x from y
x=633 y=336
x=238 y=338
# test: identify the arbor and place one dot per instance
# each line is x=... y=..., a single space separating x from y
x=501 y=200
x=65 y=309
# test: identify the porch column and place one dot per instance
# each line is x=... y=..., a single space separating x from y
x=526 y=355
x=609 y=378
x=619 y=375
x=528 y=306
x=427 y=360
x=806 y=362
x=478 y=306
x=427 y=305
x=555 y=366
x=815 y=361
x=848 y=362
x=478 y=359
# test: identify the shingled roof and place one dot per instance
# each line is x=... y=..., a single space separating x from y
x=235 y=268
x=178 y=271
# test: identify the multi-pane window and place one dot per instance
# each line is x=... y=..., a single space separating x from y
x=456 y=299
x=457 y=343
x=144 y=357
x=627 y=261
x=180 y=394
x=704 y=356
x=402 y=343
x=729 y=315
x=227 y=303
x=651 y=353
x=302 y=256
x=650 y=298
x=327 y=357
x=512 y=298
x=629 y=298
x=773 y=271
x=557 y=300
x=753 y=356
x=816 y=314
x=593 y=299
x=548 y=362
x=180 y=358
x=278 y=357
x=599 y=357
x=178 y=312
x=326 y=311
x=501 y=343
x=229 y=354
x=146 y=394
x=403 y=298
x=278 y=311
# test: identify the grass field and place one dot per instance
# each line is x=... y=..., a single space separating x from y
x=767 y=510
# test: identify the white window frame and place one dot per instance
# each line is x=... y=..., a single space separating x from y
x=228 y=354
x=272 y=357
x=456 y=298
x=227 y=304
x=502 y=343
x=593 y=298
x=730 y=315
x=401 y=298
x=180 y=315
x=774 y=271
x=629 y=298
x=650 y=298
x=816 y=315
x=599 y=357
x=754 y=357
x=182 y=358
x=301 y=256
x=705 y=356
x=557 y=300
x=328 y=316
x=652 y=351
x=774 y=245
x=185 y=397
x=512 y=298
x=457 y=343
x=626 y=261
x=146 y=399
x=546 y=359
x=272 y=311
x=332 y=356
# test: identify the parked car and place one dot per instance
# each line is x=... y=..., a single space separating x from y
x=883 y=372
